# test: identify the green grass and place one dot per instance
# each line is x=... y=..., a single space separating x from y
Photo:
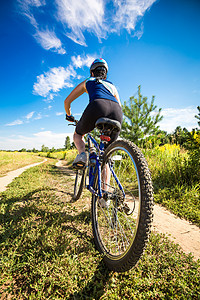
x=176 y=182
x=47 y=249
x=68 y=155
x=10 y=161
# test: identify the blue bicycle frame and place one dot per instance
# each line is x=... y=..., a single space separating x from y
x=97 y=168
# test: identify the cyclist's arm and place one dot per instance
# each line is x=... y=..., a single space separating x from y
x=78 y=91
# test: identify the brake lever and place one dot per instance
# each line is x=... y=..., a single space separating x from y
x=73 y=124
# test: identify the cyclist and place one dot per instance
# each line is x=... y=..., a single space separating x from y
x=104 y=101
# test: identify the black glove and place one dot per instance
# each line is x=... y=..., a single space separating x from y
x=70 y=118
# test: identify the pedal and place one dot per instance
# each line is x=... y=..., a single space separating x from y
x=79 y=166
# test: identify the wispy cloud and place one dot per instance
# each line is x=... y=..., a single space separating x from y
x=49 y=41
x=53 y=80
x=28 y=7
x=81 y=61
x=27 y=118
x=58 y=78
x=81 y=15
x=38 y=117
x=138 y=33
x=59 y=113
x=14 y=123
x=128 y=12
x=98 y=17
x=101 y=17
x=46 y=38
x=173 y=117
x=30 y=115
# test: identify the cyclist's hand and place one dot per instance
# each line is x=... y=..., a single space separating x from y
x=70 y=118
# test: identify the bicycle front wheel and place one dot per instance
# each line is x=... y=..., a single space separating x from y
x=79 y=183
x=121 y=226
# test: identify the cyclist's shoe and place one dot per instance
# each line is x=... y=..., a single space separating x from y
x=103 y=203
x=80 y=161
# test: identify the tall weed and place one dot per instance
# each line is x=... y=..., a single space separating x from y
x=175 y=175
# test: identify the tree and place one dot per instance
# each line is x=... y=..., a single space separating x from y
x=22 y=150
x=193 y=145
x=67 y=143
x=44 y=149
x=73 y=145
x=140 y=118
x=198 y=116
x=179 y=135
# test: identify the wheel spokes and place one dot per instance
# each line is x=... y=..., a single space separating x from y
x=117 y=223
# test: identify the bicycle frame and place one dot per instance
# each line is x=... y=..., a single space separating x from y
x=97 y=167
x=92 y=171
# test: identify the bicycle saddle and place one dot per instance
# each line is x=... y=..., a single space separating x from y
x=106 y=123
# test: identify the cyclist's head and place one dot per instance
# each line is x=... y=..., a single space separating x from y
x=99 y=68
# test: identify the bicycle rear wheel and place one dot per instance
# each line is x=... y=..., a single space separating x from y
x=121 y=226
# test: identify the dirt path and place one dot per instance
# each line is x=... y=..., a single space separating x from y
x=178 y=230
x=5 y=180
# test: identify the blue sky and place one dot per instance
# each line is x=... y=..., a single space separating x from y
x=47 y=47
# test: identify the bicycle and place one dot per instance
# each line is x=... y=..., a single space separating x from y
x=122 y=197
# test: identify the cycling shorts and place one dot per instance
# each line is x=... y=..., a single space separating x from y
x=96 y=109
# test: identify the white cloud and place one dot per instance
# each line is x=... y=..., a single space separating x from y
x=128 y=12
x=49 y=107
x=48 y=138
x=53 y=81
x=81 y=15
x=27 y=118
x=80 y=62
x=139 y=32
x=58 y=78
x=30 y=115
x=46 y=38
x=59 y=113
x=38 y=117
x=49 y=41
x=14 y=123
x=27 y=7
x=173 y=117
x=99 y=17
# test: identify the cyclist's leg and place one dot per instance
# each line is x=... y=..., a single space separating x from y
x=105 y=177
x=79 y=142
x=84 y=126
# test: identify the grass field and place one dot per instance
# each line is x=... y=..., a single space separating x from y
x=10 y=161
x=47 y=249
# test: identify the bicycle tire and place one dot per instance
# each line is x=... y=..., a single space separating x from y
x=120 y=236
x=79 y=183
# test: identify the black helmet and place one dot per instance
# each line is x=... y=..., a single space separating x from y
x=99 y=62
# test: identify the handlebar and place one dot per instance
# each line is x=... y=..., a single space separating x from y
x=72 y=120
